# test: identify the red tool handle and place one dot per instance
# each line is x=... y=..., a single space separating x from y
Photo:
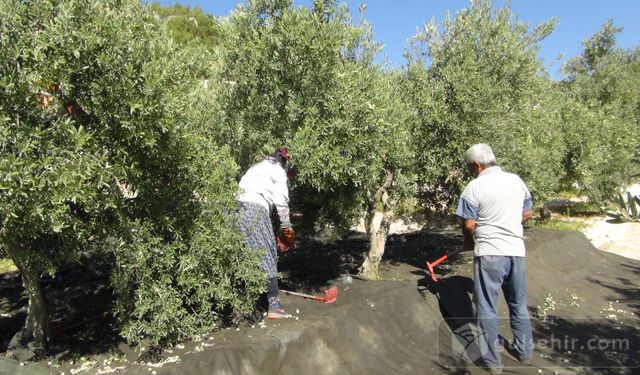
x=317 y=298
x=440 y=260
x=330 y=295
x=430 y=266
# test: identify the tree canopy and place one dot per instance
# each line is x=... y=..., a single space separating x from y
x=304 y=78
x=104 y=149
x=478 y=80
x=602 y=114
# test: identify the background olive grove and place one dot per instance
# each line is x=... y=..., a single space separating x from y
x=124 y=128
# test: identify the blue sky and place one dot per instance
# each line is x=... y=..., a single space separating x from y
x=394 y=22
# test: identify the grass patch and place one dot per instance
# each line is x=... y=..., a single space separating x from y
x=6 y=265
x=560 y=224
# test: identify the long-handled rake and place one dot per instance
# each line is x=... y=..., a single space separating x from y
x=330 y=295
x=430 y=266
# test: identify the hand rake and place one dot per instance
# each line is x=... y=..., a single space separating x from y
x=330 y=295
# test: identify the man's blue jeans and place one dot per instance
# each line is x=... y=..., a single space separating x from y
x=492 y=273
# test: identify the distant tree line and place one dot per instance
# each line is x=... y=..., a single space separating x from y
x=188 y=24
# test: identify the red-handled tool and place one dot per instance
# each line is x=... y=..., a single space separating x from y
x=330 y=295
x=430 y=266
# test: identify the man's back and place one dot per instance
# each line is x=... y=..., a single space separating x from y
x=498 y=198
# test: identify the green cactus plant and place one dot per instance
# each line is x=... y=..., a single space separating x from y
x=627 y=208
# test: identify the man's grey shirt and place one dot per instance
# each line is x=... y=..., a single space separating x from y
x=495 y=200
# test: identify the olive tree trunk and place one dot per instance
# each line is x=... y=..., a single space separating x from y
x=377 y=224
x=36 y=328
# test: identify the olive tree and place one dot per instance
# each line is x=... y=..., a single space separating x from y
x=476 y=79
x=103 y=122
x=304 y=78
x=602 y=114
x=360 y=162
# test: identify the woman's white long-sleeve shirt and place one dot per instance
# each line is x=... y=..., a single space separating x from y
x=266 y=184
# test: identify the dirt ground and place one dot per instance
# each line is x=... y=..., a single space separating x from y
x=614 y=237
x=618 y=238
x=584 y=305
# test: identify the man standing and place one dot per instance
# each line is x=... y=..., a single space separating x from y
x=493 y=207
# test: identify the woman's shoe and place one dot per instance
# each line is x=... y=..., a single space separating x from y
x=276 y=311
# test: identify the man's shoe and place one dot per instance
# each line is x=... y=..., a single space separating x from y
x=276 y=311
x=523 y=360
x=495 y=370
x=511 y=349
